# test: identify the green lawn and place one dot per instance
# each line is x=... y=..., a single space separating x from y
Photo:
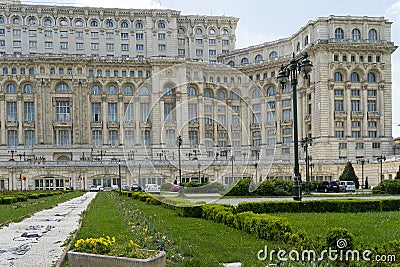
x=20 y=210
x=368 y=228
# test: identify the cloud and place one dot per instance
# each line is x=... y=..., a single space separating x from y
x=394 y=9
x=136 y=4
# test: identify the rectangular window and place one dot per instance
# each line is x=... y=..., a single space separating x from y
x=287 y=114
x=139 y=47
x=212 y=41
x=110 y=46
x=372 y=134
x=193 y=140
x=355 y=105
x=124 y=35
x=354 y=92
x=94 y=46
x=199 y=41
x=79 y=34
x=29 y=111
x=113 y=138
x=199 y=52
x=63 y=111
x=170 y=138
x=97 y=138
x=286 y=150
x=63 y=34
x=287 y=140
x=355 y=134
x=96 y=112
x=32 y=44
x=371 y=105
x=139 y=36
x=48 y=33
x=16 y=43
x=64 y=45
x=12 y=114
x=372 y=124
x=17 y=33
x=12 y=138
x=212 y=52
x=63 y=137
x=145 y=138
x=339 y=134
x=181 y=52
x=144 y=112
x=48 y=45
x=338 y=105
x=129 y=112
x=359 y=145
x=94 y=35
x=355 y=124
x=109 y=35
x=32 y=33
x=342 y=146
x=225 y=42
x=129 y=138
x=161 y=36
x=29 y=138
x=376 y=145
x=181 y=41
x=371 y=93
x=124 y=47
x=162 y=47
x=113 y=112
x=169 y=112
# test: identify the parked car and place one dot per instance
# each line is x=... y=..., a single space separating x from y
x=71 y=188
x=328 y=186
x=114 y=187
x=136 y=188
x=152 y=189
x=346 y=186
x=125 y=188
x=96 y=188
x=175 y=188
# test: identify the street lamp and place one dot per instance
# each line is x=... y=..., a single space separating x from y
x=289 y=71
x=179 y=144
x=381 y=158
x=232 y=159
x=305 y=142
x=119 y=177
x=362 y=162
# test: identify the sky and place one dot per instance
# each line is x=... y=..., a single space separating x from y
x=265 y=20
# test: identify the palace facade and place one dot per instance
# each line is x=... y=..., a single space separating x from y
x=88 y=95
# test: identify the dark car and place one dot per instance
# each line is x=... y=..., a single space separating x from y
x=327 y=186
x=136 y=188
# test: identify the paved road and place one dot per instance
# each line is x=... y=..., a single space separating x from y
x=38 y=241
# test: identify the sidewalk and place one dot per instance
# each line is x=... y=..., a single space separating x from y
x=38 y=240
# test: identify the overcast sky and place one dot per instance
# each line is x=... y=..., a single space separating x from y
x=265 y=20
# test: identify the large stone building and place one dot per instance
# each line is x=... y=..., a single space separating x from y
x=91 y=94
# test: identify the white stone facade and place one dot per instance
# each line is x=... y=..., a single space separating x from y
x=82 y=88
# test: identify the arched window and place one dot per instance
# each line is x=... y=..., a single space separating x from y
x=211 y=31
x=372 y=35
x=225 y=32
x=354 y=77
x=244 y=61
x=356 y=34
x=16 y=20
x=207 y=94
x=64 y=22
x=94 y=23
x=256 y=93
x=199 y=31
x=161 y=25
x=221 y=94
x=32 y=21
x=28 y=89
x=231 y=63
x=258 y=58
x=271 y=91
x=128 y=90
x=48 y=22
x=124 y=24
x=144 y=91
x=139 y=25
x=371 y=77
x=181 y=31
x=109 y=24
x=1 y=20
x=339 y=34
x=192 y=91
x=62 y=87
x=112 y=90
x=96 y=90
x=273 y=55
x=168 y=91
x=11 y=88
x=79 y=23
x=338 y=77
x=234 y=96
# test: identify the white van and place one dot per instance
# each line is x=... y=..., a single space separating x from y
x=152 y=188
x=346 y=186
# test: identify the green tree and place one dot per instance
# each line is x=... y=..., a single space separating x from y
x=349 y=174
x=398 y=174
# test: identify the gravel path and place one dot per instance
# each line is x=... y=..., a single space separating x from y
x=38 y=240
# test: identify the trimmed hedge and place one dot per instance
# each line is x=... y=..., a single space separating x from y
x=320 y=206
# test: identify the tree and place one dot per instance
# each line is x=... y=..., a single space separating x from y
x=398 y=174
x=349 y=174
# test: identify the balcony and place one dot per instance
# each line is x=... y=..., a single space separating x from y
x=96 y=124
x=357 y=114
x=255 y=125
x=193 y=124
x=130 y=124
x=340 y=114
x=145 y=124
x=12 y=124
x=64 y=123
x=112 y=124
x=373 y=114
x=286 y=122
x=209 y=127
x=29 y=124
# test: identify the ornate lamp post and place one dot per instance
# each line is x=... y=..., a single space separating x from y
x=289 y=72
x=362 y=162
x=305 y=142
x=179 y=144
x=119 y=177
x=381 y=158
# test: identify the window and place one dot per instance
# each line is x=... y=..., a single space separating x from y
x=257 y=93
x=273 y=55
x=139 y=47
x=193 y=140
x=355 y=105
x=109 y=35
x=63 y=45
x=359 y=145
x=212 y=52
x=286 y=150
x=94 y=35
x=29 y=111
x=144 y=91
x=356 y=34
x=110 y=46
x=169 y=112
x=94 y=23
x=128 y=90
x=79 y=46
x=112 y=90
x=17 y=33
x=355 y=134
x=371 y=105
x=338 y=92
x=162 y=47
x=31 y=33
x=94 y=46
x=207 y=94
x=113 y=137
x=339 y=34
x=139 y=25
x=286 y=103
x=109 y=24
x=12 y=114
x=161 y=25
x=129 y=111
x=338 y=105
x=62 y=87
x=372 y=124
x=96 y=90
x=170 y=138
x=12 y=138
x=79 y=23
x=124 y=24
x=372 y=134
x=355 y=92
x=112 y=112
x=199 y=31
x=48 y=44
x=129 y=138
x=124 y=47
x=244 y=61
x=192 y=113
x=145 y=138
x=354 y=77
x=287 y=114
x=11 y=88
x=97 y=138
x=271 y=91
x=32 y=21
x=16 y=43
x=211 y=31
x=161 y=36
x=225 y=42
x=192 y=91
x=371 y=92
x=181 y=31
x=376 y=145
x=16 y=21
x=28 y=89
x=29 y=138
x=372 y=35
x=221 y=95
x=339 y=134
x=371 y=77
x=96 y=112
x=63 y=111
x=199 y=52
x=48 y=22
x=338 y=77
x=355 y=124
x=144 y=112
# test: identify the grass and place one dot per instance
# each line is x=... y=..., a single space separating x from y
x=200 y=242
x=18 y=211
x=368 y=228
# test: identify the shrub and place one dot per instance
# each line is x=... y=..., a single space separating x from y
x=388 y=187
x=339 y=238
x=241 y=188
x=205 y=188
x=33 y=196
x=166 y=186
x=8 y=200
